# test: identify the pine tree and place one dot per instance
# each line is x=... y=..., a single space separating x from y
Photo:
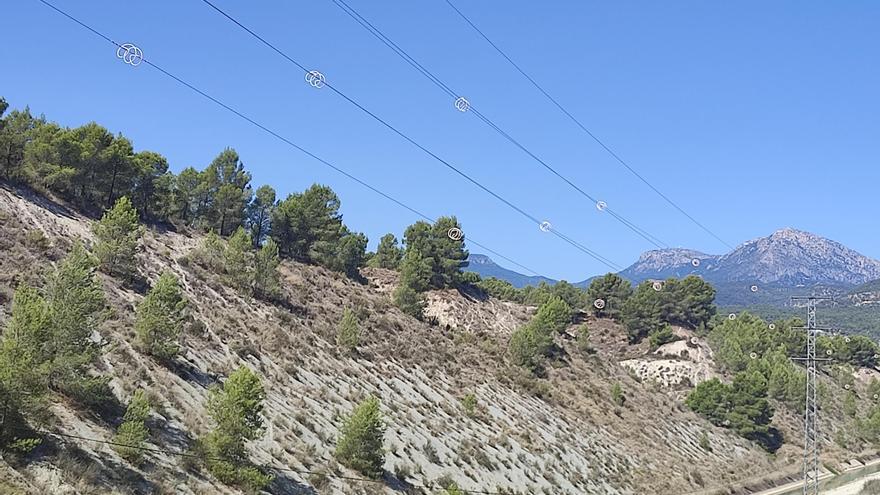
x=360 y=442
x=554 y=316
x=212 y=252
x=76 y=307
x=348 y=333
x=415 y=275
x=266 y=278
x=349 y=255
x=307 y=224
x=132 y=433
x=260 y=214
x=161 y=317
x=117 y=235
x=388 y=254
x=236 y=410
x=24 y=364
x=528 y=346
x=237 y=260
x=613 y=290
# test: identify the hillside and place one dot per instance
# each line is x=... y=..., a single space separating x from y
x=787 y=263
x=560 y=434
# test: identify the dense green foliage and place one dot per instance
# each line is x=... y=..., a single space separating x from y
x=443 y=256
x=236 y=410
x=161 y=317
x=133 y=431
x=361 y=438
x=76 y=304
x=415 y=272
x=24 y=364
x=388 y=254
x=688 y=302
x=660 y=336
x=266 y=280
x=741 y=406
x=553 y=316
x=530 y=344
x=248 y=271
x=613 y=290
x=576 y=298
x=47 y=344
x=501 y=289
x=238 y=260
x=348 y=334
x=259 y=214
x=308 y=225
x=92 y=168
x=862 y=319
x=117 y=235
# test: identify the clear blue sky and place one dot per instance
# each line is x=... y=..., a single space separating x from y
x=752 y=116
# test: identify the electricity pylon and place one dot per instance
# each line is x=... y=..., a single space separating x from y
x=811 y=409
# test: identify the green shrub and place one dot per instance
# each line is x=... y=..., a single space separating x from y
x=617 y=395
x=469 y=404
x=118 y=234
x=361 y=438
x=132 y=433
x=528 y=346
x=236 y=411
x=664 y=335
x=613 y=290
x=348 y=333
x=161 y=317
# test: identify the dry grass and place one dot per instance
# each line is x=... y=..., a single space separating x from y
x=559 y=434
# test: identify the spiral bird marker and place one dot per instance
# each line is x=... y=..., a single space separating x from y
x=130 y=54
x=462 y=104
x=545 y=226
x=315 y=79
x=695 y=262
x=599 y=303
x=657 y=286
x=455 y=234
x=601 y=205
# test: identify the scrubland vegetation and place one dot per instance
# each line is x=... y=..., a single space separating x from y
x=50 y=345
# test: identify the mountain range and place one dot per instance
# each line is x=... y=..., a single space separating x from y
x=766 y=270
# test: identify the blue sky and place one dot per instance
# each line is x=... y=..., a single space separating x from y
x=753 y=116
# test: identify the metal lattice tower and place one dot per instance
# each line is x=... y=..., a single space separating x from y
x=811 y=409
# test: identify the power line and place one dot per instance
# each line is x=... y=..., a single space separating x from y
x=447 y=164
x=584 y=128
x=366 y=24
x=282 y=138
x=268 y=467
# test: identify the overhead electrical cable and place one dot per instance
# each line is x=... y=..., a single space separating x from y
x=296 y=146
x=583 y=128
x=372 y=29
x=412 y=141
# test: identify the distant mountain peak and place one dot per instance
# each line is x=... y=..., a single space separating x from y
x=787 y=258
x=480 y=259
x=792 y=256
